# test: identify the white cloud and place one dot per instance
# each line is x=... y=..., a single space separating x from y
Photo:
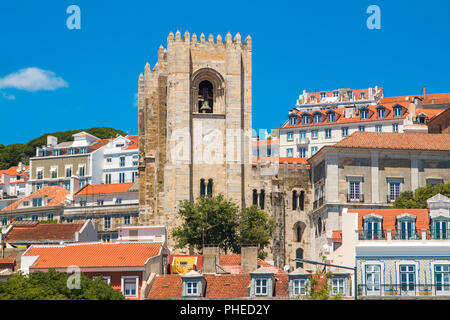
x=8 y=96
x=32 y=79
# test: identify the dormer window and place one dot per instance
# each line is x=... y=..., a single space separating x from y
x=37 y=202
x=71 y=151
x=336 y=94
x=422 y=119
x=192 y=284
x=323 y=95
x=350 y=95
x=406 y=226
x=261 y=287
x=83 y=150
x=364 y=114
x=381 y=112
x=306 y=119
x=317 y=117
x=362 y=95
x=372 y=227
x=397 y=111
x=440 y=228
x=191 y=288
x=313 y=98
x=56 y=152
x=293 y=120
x=330 y=116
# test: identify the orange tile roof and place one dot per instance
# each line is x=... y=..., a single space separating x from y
x=105 y=188
x=98 y=254
x=389 y=217
x=433 y=98
x=227 y=285
x=7 y=261
x=402 y=141
x=134 y=142
x=57 y=195
x=43 y=232
x=13 y=171
x=167 y=286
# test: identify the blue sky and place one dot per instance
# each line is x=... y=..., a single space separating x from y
x=311 y=45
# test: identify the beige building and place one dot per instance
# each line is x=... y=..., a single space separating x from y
x=370 y=170
x=195 y=138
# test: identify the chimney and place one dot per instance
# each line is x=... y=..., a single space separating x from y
x=424 y=93
x=249 y=258
x=210 y=259
x=52 y=141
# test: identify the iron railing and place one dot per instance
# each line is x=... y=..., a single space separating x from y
x=355 y=197
x=438 y=234
x=371 y=235
x=406 y=289
x=406 y=235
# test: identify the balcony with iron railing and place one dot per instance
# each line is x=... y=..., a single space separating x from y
x=318 y=203
x=355 y=198
x=403 y=290
x=392 y=234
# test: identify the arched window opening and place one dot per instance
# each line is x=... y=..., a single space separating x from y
x=261 y=199
x=202 y=187
x=210 y=187
x=294 y=200
x=302 y=200
x=299 y=255
x=255 y=197
x=205 y=97
x=319 y=226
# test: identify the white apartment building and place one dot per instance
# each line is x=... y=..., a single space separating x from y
x=120 y=160
x=325 y=118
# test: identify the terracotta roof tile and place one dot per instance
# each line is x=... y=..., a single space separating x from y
x=389 y=217
x=105 y=188
x=382 y=140
x=98 y=254
x=57 y=196
x=227 y=285
x=134 y=142
x=166 y=287
x=43 y=232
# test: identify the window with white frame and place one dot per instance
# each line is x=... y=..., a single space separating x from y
x=354 y=190
x=107 y=222
x=406 y=227
x=293 y=120
x=290 y=136
x=372 y=278
x=54 y=172
x=338 y=286
x=302 y=136
x=289 y=152
x=122 y=161
x=56 y=152
x=378 y=128
x=395 y=127
x=81 y=170
x=71 y=151
x=323 y=95
x=261 y=287
x=381 y=112
x=335 y=94
x=330 y=116
x=83 y=150
x=302 y=152
x=299 y=287
x=314 y=134
x=407 y=277
x=40 y=173
x=313 y=150
x=317 y=117
x=306 y=119
x=327 y=133
x=192 y=288
x=372 y=228
x=362 y=128
x=68 y=171
x=362 y=95
x=130 y=287
x=440 y=228
x=345 y=131
x=397 y=111
x=364 y=114
x=108 y=178
x=442 y=278
x=394 y=190
x=126 y=220
x=121 y=177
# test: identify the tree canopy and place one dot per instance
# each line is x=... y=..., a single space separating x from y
x=217 y=221
x=418 y=198
x=52 y=285
x=12 y=154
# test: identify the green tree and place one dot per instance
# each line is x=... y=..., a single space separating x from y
x=217 y=221
x=418 y=198
x=52 y=285
x=319 y=287
x=255 y=227
x=210 y=220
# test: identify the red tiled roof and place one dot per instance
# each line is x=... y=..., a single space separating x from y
x=266 y=142
x=433 y=98
x=105 y=188
x=232 y=263
x=227 y=285
x=389 y=217
x=166 y=287
x=57 y=195
x=99 y=254
x=134 y=142
x=43 y=232
x=382 y=140
x=13 y=171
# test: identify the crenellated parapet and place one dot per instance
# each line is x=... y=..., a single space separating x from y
x=194 y=41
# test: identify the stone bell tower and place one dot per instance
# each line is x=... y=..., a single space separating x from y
x=195 y=124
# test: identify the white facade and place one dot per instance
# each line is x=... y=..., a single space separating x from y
x=120 y=161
